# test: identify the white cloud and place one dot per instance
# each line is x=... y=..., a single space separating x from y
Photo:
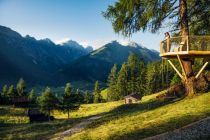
x=124 y=42
x=99 y=43
x=84 y=43
x=61 y=41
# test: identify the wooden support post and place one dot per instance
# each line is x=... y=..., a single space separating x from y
x=204 y=66
x=176 y=69
x=168 y=45
x=188 y=44
x=161 y=47
x=183 y=71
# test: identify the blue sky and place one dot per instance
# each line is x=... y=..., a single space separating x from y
x=60 y=20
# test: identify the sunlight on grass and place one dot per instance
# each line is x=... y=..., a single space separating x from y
x=87 y=110
x=11 y=115
x=149 y=121
x=146 y=118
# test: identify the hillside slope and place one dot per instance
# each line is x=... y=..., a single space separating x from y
x=147 y=118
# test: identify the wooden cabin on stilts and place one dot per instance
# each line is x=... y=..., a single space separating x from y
x=188 y=47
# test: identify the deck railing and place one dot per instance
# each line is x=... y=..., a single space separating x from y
x=176 y=45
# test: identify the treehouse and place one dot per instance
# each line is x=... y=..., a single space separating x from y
x=186 y=47
x=190 y=46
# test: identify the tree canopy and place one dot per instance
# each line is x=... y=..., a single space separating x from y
x=131 y=16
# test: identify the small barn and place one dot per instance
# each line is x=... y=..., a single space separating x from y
x=36 y=116
x=132 y=98
x=21 y=101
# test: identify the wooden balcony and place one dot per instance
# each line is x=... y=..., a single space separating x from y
x=190 y=46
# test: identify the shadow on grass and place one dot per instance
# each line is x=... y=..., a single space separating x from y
x=131 y=109
x=8 y=111
x=34 y=131
x=44 y=130
x=159 y=128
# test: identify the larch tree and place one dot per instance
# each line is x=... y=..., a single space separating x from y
x=4 y=91
x=141 y=79
x=47 y=101
x=96 y=94
x=132 y=72
x=112 y=80
x=183 y=16
x=20 y=87
x=11 y=93
x=32 y=96
x=122 y=82
x=67 y=98
x=87 y=97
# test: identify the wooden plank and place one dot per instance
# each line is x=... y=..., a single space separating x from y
x=176 y=69
x=185 y=54
x=204 y=66
x=183 y=71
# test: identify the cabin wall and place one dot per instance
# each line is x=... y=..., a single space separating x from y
x=130 y=100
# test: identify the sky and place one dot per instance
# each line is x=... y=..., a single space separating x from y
x=62 y=20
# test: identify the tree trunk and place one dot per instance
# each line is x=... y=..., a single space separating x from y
x=187 y=62
x=49 y=115
x=68 y=113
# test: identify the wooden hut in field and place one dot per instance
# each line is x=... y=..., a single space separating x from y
x=35 y=115
x=21 y=101
x=132 y=98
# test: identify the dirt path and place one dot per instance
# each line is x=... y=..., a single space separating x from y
x=78 y=127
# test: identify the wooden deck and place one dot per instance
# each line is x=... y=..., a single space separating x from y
x=185 y=47
x=186 y=54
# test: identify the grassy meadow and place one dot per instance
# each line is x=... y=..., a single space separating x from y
x=146 y=118
x=14 y=124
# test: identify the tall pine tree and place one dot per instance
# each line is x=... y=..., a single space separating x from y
x=141 y=79
x=67 y=101
x=47 y=101
x=112 y=81
x=4 y=91
x=133 y=72
x=20 y=87
x=11 y=93
x=96 y=93
x=122 y=83
x=32 y=96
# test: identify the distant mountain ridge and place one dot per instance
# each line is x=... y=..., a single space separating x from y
x=97 y=64
x=33 y=59
x=42 y=62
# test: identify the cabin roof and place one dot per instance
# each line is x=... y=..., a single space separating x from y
x=34 y=111
x=133 y=95
x=21 y=99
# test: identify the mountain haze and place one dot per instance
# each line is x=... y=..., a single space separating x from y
x=42 y=62
x=34 y=60
x=97 y=65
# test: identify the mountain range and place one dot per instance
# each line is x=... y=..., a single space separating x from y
x=42 y=62
x=98 y=63
x=34 y=60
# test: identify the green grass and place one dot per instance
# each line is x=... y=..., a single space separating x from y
x=10 y=115
x=147 y=118
x=87 y=110
x=14 y=124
